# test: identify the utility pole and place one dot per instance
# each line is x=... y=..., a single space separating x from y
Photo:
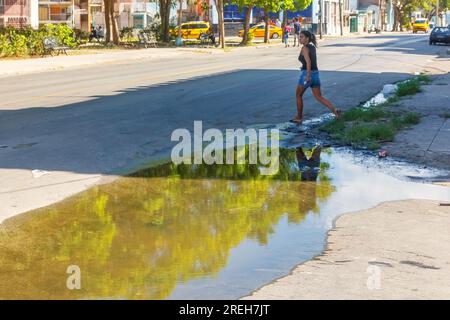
x=340 y=17
x=320 y=19
x=438 y=22
x=380 y=23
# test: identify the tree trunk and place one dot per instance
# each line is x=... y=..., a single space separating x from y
x=267 y=27
x=113 y=23
x=247 y=24
x=180 y=17
x=219 y=6
x=283 y=24
x=164 y=13
x=107 y=21
x=396 y=18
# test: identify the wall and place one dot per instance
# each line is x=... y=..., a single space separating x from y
x=16 y=13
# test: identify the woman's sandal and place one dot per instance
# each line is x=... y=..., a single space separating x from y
x=296 y=121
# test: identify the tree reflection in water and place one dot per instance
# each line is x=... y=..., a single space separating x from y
x=141 y=235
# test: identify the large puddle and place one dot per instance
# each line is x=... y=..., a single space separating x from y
x=189 y=232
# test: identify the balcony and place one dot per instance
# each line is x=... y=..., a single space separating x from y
x=55 y=1
x=56 y=18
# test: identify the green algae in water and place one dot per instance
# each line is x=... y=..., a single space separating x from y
x=142 y=235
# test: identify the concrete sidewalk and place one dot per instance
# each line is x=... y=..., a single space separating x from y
x=428 y=142
x=90 y=57
x=86 y=58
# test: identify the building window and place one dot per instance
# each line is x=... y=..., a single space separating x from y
x=2 y=7
x=44 y=14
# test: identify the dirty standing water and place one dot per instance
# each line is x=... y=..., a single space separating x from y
x=196 y=232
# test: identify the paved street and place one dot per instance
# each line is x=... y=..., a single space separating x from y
x=82 y=125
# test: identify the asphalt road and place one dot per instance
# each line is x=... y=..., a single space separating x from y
x=83 y=124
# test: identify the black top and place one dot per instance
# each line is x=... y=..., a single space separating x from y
x=312 y=56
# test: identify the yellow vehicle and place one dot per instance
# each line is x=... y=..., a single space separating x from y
x=191 y=30
x=258 y=31
x=420 y=25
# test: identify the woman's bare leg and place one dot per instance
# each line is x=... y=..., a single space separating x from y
x=318 y=95
x=299 y=94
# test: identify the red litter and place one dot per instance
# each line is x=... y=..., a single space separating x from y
x=382 y=154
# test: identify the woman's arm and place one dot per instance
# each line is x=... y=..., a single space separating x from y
x=308 y=62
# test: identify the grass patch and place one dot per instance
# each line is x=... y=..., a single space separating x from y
x=423 y=78
x=365 y=115
x=369 y=127
x=411 y=118
x=408 y=88
x=412 y=86
x=334 y=126
x=369 y=134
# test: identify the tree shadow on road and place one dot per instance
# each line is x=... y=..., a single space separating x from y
x=120 y=132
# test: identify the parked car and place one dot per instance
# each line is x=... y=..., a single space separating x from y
x=192 y=30
x=420 y=25
x=440 y=34
x=258 y=31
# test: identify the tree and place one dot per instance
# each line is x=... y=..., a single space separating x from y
x=268 y=6
x=164 y=13
x=180 y=14
x=404 y=8
x=112 y=31
x=219 y=7
x=180 y=18
x=250 y=5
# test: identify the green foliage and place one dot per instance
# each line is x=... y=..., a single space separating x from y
x=26 y=41
x=409 y=87
x=360 y=134
x=126 y=33
x=365 y=115
x=368 y=127
x=301 y=4
x=250 y=37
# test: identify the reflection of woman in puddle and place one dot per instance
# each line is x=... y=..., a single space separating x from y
x=309 y=168
x=309 y=76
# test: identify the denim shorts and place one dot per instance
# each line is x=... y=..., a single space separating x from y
x=315 y=79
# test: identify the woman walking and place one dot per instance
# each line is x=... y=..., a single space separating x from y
x=309 y=76
x=286 y=31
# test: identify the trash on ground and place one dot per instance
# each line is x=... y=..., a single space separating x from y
x=38 y=173
x=389 y=89
x=382 y=154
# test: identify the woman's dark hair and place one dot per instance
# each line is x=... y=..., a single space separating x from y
x=311 y=36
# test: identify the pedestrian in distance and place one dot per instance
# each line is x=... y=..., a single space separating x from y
x=309 y=76
x=93 y=33
x=100 y=33
x=286 y=31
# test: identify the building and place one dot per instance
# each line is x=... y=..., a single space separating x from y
x=79 y=14
x=376 y=13
x=19 y=13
